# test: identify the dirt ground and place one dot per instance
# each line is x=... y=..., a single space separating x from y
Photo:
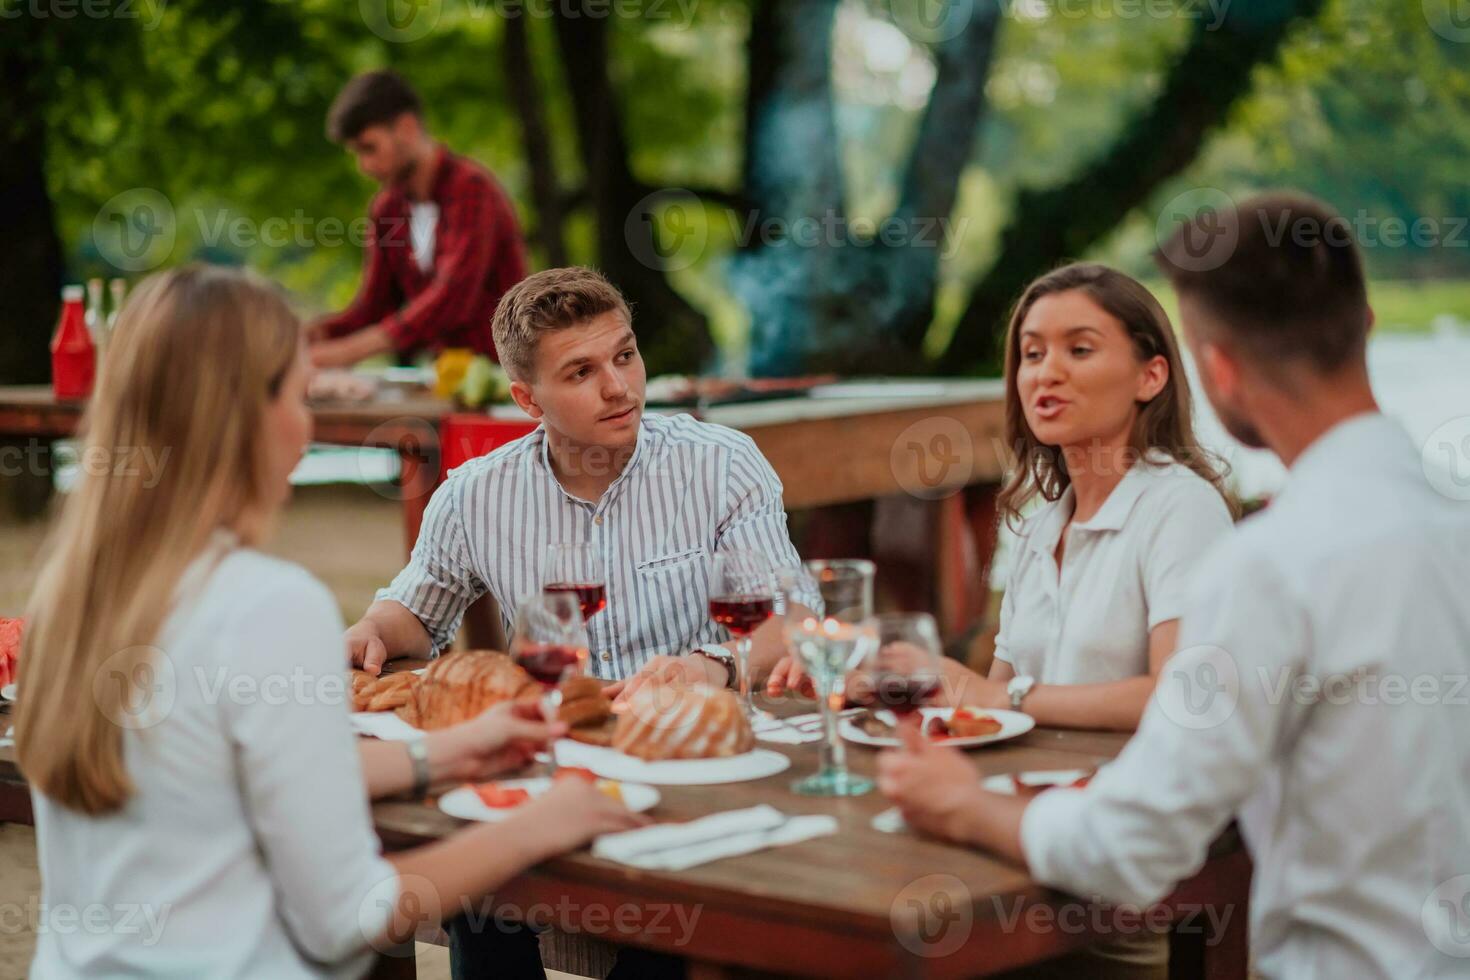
x=348 y=536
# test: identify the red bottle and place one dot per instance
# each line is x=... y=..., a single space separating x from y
x=73 y=358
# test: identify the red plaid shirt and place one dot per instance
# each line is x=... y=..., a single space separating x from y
x=478 y=255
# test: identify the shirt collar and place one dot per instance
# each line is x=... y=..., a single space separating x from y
x=1111 y=516
x=643 y=450
x=1341 y=446
x=443 y=164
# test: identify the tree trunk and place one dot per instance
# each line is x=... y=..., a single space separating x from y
x=826 y=295
x=1060 y=223
x=30 y=275
x=793 y=183
x=672 y=334
x=520 y=77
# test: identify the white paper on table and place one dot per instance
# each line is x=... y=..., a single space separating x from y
x=769 y=728
x=675 y=847
x=385 y=725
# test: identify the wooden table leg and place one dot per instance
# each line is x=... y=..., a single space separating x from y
x=1216 y=946
x=418 y=478
x=964 y=547
x=395 y=967
x=26 y=479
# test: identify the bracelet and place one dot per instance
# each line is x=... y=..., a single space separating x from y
x=418 y=754
x=724 y=658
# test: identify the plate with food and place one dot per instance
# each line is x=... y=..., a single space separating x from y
x=499 y=800
x=962 y=727
x=669 y=735
x=7 y=693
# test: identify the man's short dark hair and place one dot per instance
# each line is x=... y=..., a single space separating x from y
x=370 y=99
x=1282 y=276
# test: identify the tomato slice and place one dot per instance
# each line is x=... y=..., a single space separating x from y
x=570 y=772
x=500 y=797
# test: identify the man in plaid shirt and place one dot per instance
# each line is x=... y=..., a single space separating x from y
x=444 y=244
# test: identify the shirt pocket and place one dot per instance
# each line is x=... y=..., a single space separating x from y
x=674 y=562
x=675 y=588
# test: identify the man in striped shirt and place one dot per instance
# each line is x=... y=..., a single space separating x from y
x=660 y=497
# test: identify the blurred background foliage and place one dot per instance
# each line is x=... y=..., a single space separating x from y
x=220 y=108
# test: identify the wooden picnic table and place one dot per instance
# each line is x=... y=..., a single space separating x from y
x=844 y=443
x=860 y=903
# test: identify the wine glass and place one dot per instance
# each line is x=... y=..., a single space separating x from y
x=550 y=644
x=829 y=645
x=904 y=670
x=576 y=569
x=742 y=597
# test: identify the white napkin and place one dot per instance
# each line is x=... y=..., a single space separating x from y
x=890 y=821
x=675 y=847
x=769 y=728
x=385 y=725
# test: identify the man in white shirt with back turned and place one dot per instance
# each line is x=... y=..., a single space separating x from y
x=1318 y=695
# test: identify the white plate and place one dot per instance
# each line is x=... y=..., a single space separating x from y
x=609 y=764
x=1012 y=723
x=465 y=802
x=1038 y=779
x=8 y=693
x=385 y=725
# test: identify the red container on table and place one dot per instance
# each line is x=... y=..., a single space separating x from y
x=73 y=356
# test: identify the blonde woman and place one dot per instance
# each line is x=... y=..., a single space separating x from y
x=182 y=719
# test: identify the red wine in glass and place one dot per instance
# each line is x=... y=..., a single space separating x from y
x=742 y=614
x=546 y=662
x=592 y=597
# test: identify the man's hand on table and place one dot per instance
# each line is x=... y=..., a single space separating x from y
x=691 y=668
x=938 y=791
x=501 y=739
x=365 y=647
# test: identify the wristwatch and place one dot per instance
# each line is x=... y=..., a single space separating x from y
x=1018 y=688
x=418 y=754
x=722 y=657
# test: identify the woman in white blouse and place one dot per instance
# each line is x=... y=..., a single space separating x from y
x=182 y=717
x=1098 y=417
x=1098 y=414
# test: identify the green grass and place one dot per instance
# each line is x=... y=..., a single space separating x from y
x=1410 y=306
x=1400 y=305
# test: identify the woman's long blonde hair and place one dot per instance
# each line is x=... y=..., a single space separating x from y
x=1164 y=424
x=175 y=448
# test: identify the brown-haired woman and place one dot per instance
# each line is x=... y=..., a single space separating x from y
x=1098 y=417
x=181 y=715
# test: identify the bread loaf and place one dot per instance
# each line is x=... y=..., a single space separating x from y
x=459 y=686
x=682 y=721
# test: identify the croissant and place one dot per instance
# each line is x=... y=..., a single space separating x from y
x=677 y=721
x=459 y=686
x=585 y=711
x=384 y=693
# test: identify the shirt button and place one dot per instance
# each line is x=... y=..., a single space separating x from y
x=597 y=519
x=606 y=655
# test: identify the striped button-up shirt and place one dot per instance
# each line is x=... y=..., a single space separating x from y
x=690 y=490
